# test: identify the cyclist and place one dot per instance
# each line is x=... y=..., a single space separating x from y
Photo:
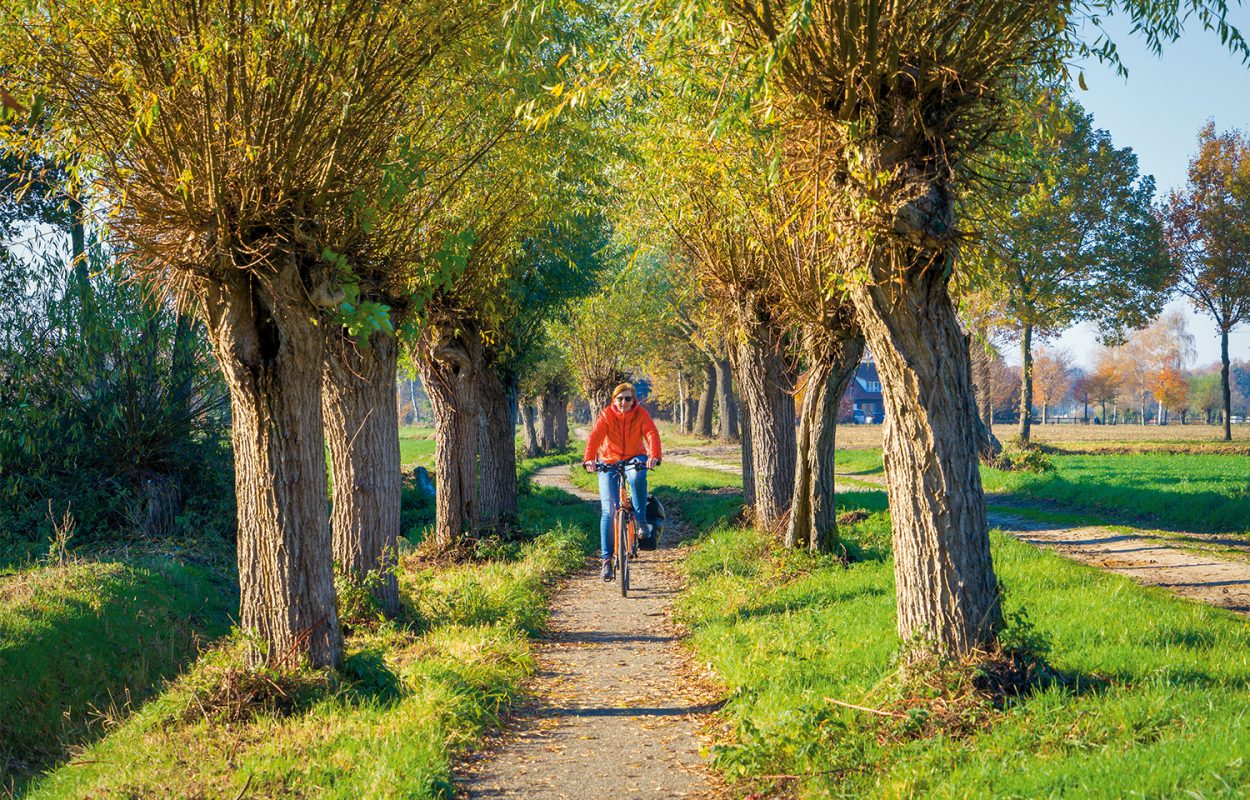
x=623 y=431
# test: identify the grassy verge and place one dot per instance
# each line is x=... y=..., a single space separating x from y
x=410 y=695
x=1146 y=697
x=82 y=641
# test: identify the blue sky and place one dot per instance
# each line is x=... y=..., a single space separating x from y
x=1157 y=111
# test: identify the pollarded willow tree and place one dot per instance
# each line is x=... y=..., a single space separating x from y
x=442 y=144
x=684 y=202
x=605 y=334
x=901 y=101
x=243 y=149
x=515 y=220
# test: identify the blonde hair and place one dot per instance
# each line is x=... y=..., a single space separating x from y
x=624 y=387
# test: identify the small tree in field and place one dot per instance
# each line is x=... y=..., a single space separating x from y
x=1208 y=224
x=1053 y=378
x=1206 y=394
x=1171 y=389
x=1103 y=382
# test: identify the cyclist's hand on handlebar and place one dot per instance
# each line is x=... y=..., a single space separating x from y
x=653 y=462
x=590 y=466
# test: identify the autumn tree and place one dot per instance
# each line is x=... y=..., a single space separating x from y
x=1171 y=387
x=1053 y=378
x=1208 y=225
x=1163 y=351
x=1103 y=381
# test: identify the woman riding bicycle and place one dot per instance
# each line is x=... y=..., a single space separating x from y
x=622 y=432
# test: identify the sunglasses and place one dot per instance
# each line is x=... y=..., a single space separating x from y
x=625 y=397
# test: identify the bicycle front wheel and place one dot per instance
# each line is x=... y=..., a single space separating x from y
x=622 y=551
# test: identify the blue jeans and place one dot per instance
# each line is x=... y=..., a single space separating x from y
x=609 y=491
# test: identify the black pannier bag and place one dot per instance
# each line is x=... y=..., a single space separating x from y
x=655 y=521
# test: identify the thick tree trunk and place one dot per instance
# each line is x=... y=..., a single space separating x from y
x=703 y=426
x=945 y=583
x=532 y=447
x=497 y=489
x=362 y=434
x=727 y=429
x=692 y=411
x=744 y=416
x=1026 y=382
x=813 y=515
x=447 y=368
x=983 y=383
x=270 y=348
x=766 y=383
x=561 y=411
x=1226 y=392
x=547 y=419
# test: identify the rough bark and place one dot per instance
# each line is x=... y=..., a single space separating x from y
x=766 y=379
x=547 y=422
x=446 y=365
x=532 y=447
x=983 y=383
x=946 y=588
x=703 y=425
x=362 y=434
x=265 y=337
x=727 y=428
x=497 y=488
x=748 y=465
x=1226 y=393
x=1026 y=382
x=813 y=518
x=561 y=412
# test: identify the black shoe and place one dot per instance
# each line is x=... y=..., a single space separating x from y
x=607 y=573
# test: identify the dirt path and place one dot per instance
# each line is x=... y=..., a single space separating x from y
x=689 y=459
x=614 y=709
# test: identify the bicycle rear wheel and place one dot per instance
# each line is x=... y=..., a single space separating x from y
x=622 y=550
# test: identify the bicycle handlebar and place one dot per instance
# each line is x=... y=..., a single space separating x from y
x=637 y=462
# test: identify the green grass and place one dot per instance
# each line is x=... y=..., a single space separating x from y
x=1204 y=493
x=1154 y=704
x=409 y=697
x=81 y=642
x=1207 y=493
x=416 y=447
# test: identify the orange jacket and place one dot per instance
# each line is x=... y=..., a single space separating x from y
x=617 y=436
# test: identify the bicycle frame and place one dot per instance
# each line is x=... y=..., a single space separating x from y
x=624 y=521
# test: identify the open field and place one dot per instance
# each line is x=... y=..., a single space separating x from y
x=1095 y=437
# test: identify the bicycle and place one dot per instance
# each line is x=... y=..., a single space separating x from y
x=624 y=521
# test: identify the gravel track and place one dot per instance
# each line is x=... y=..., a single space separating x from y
x=615 y=708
